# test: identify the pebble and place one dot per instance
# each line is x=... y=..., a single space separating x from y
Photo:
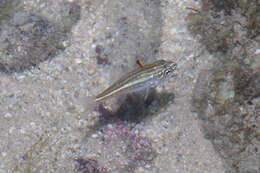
x=4 y=154
x=78 y=61
x=11 y=130
x=91 y=71
x=20 y=76
x=110 y=126
x=8 y=115
x=257 y=51
x=65 y=43
x=165 y=123
x=147 y=166
x=33 y=125
x=94 y=135
x=140 y=170
x=22 y=131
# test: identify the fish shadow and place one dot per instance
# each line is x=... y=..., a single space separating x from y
x=134 y=109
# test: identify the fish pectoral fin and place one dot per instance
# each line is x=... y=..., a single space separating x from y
x=146 y=93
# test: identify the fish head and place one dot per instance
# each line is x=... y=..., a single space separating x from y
x=168 y=70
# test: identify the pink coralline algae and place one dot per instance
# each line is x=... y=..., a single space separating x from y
x=88 y=166
x=134 y=147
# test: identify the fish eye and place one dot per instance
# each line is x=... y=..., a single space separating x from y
x=167 y=72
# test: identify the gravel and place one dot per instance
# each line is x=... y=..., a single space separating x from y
x=78 y=50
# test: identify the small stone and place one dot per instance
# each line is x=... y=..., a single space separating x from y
x=257 y=51
x=8 y=115
x=147 y=166
x=27 y=27
x=33 y=125
x=110 y=126
x=140 y=170
x=94 y=135
x=247 y=61
x=78 y=61
x=20 y=76
x=81 y=123
x=4 y=154
x=99 y=49
x=11 y=130
x=156 y=140
x=65 y=43
x=228 y=95
x=165 y=123
x=47 y=114
x=22 y=131
x=117 y=154
x=91 y=71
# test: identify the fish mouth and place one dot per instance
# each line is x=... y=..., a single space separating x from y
x=171 y=71
x=170 y=67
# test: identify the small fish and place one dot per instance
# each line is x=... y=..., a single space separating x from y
x=146 y=76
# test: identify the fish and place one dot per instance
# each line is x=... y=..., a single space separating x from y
x=146 y=76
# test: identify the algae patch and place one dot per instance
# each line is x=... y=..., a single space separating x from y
x=227 y=97
x=28 y=37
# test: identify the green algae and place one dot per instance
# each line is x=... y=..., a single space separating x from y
x=228 y=103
